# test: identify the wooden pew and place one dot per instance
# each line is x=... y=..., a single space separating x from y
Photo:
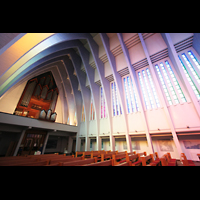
x=132 y=159
x=165 y=161
x=185 y=161
x=129 y=163
x=146 y=160
x=14 y=162
x=79 y=153
x=155 y=160
x=108 y=155
x=37 y=163
x=64 y=159
x=29 y=163
x=119 y=157
x=138 y=161
x=103 y=163
x=80 y=162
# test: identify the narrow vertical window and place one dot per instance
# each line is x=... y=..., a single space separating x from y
x=113 y=99
x=164 y=85
x=194 y=59
x=103 y=104
x=175 y=82
x=148 y=90
x=130 y=93
x=196 y=76
x=153 y=88
x=137 y=105
x=143 y=91
x=169 y=83
x=117 y=103
x=195 y=89
x=126 y=94
x=92 y=111
x=83 y=114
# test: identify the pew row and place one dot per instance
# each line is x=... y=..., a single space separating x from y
x=185 y=161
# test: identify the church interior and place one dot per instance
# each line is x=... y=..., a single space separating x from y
x=99 y=99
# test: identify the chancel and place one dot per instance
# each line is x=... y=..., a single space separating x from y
x=100 y=99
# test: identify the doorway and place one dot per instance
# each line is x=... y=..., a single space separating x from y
x=33 y=141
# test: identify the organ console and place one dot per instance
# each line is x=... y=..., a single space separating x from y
x=39 y=98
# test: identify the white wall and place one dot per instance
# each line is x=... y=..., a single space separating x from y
x=184 y=115
x=155 y=43
x=58 y=110
x=136 y=53
x=177 y=37
x=93 y=127
x=104 y=126
x=135 y=122
x=156 y=119
x=118 y=124
x=10 y=99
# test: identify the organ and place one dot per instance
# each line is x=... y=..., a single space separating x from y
x=39 y=98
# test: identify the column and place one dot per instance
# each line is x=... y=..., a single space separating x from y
x=163 y=101
x=19 y=142
x=136 y=87
x=70 y=143
x=45 y=143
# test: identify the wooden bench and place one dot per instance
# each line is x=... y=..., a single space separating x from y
x=124 y=164
x=146 y=160
x=138 y=161
x=166 y=161
x=79 y=162
x=14 y=162
x=104 y=163
x=155 y=160
x=185 y=161
x=132 y=159
x=38 y=163
x=30 y=163
x=79 y=153
x=65 y=159
x=119 y=157
x=107 y=155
